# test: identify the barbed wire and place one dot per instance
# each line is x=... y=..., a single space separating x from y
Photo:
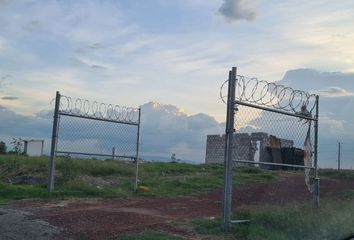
x=85 y=108
x=271 y=95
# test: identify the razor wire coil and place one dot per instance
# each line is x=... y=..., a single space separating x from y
x=86 y=108
x=271 y=95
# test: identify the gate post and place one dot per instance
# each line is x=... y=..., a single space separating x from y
x=316 y=184
x=54 y=143
x=137 y=154
x=229 y=135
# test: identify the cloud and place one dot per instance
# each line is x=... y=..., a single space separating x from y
x=335 y=92
x=89 y=48
x=165 y=129
x=235 y=10
x=94 y=66
x=10 y=98
x=4 y=80
x=335 y=113
x=22 y=125
x=326 y=84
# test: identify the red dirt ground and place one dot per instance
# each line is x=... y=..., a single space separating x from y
x=106 y=218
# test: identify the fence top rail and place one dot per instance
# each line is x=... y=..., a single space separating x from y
x=95 y=154
x=273 y=164
x=97 y=110
x=272 y=96
x=297 y=115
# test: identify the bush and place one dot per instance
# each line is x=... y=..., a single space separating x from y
x=68 y=169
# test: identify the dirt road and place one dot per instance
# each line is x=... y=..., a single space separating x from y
x=105 y=218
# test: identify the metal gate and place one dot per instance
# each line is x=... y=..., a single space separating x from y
x=274 y=115
x=83 y=128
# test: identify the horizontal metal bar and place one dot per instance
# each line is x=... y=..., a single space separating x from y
x=275 y=110
x=97 y=118
x=273 y=164
x=239 y=221
x=96 y=154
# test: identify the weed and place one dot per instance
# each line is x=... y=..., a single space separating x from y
x=332 y=220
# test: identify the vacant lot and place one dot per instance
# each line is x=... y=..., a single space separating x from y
x=93 y=200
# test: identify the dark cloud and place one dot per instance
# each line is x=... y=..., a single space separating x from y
x=165 y=129
x=234 y=10
x=313 y=81
x=10 y=98
x=95 y=66
x=336 y=103
x=89 y=48
x=92 y=66
x=21 y=125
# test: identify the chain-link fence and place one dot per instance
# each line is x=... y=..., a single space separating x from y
x=90 y=129
x=271 y=126
x=272 y=137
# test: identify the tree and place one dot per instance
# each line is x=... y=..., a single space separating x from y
x=3 y=147
x=174 y=159
x=17 y=146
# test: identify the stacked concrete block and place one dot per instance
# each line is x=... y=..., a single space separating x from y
x=244 y=147
x=215 y=149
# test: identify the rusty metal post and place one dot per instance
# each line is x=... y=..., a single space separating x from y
x=54 y=143
x=229 y=134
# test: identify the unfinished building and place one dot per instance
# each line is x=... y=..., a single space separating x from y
x=257 y=146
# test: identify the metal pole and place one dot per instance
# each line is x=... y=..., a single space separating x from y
x=229 y=134
x=54 y=143
x=137 y=154
x=113 y=153
x=42 y=147
x=339 y=155
x=316 y=190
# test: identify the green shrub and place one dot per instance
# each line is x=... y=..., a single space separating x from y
x=69 y=169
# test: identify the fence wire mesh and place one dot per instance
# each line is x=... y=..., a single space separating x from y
x=100 y=130
x=94 y=130
x=288 y=133
x=271 y=126
x=81 y=137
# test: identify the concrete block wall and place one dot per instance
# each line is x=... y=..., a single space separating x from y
x=244 y=145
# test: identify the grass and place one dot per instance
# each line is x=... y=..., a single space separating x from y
x=97 y=178
x=349 y=194
x=341 y=174
x=333 y=220
x=149 y=235
x=166 y=179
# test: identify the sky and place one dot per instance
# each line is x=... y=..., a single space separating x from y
x=175 y=53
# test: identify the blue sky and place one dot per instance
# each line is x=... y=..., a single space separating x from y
x=172 y=52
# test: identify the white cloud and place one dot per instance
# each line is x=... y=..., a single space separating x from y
x=335 y=92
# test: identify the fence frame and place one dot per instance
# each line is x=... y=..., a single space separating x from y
x=228 y=161
x=55 y=138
